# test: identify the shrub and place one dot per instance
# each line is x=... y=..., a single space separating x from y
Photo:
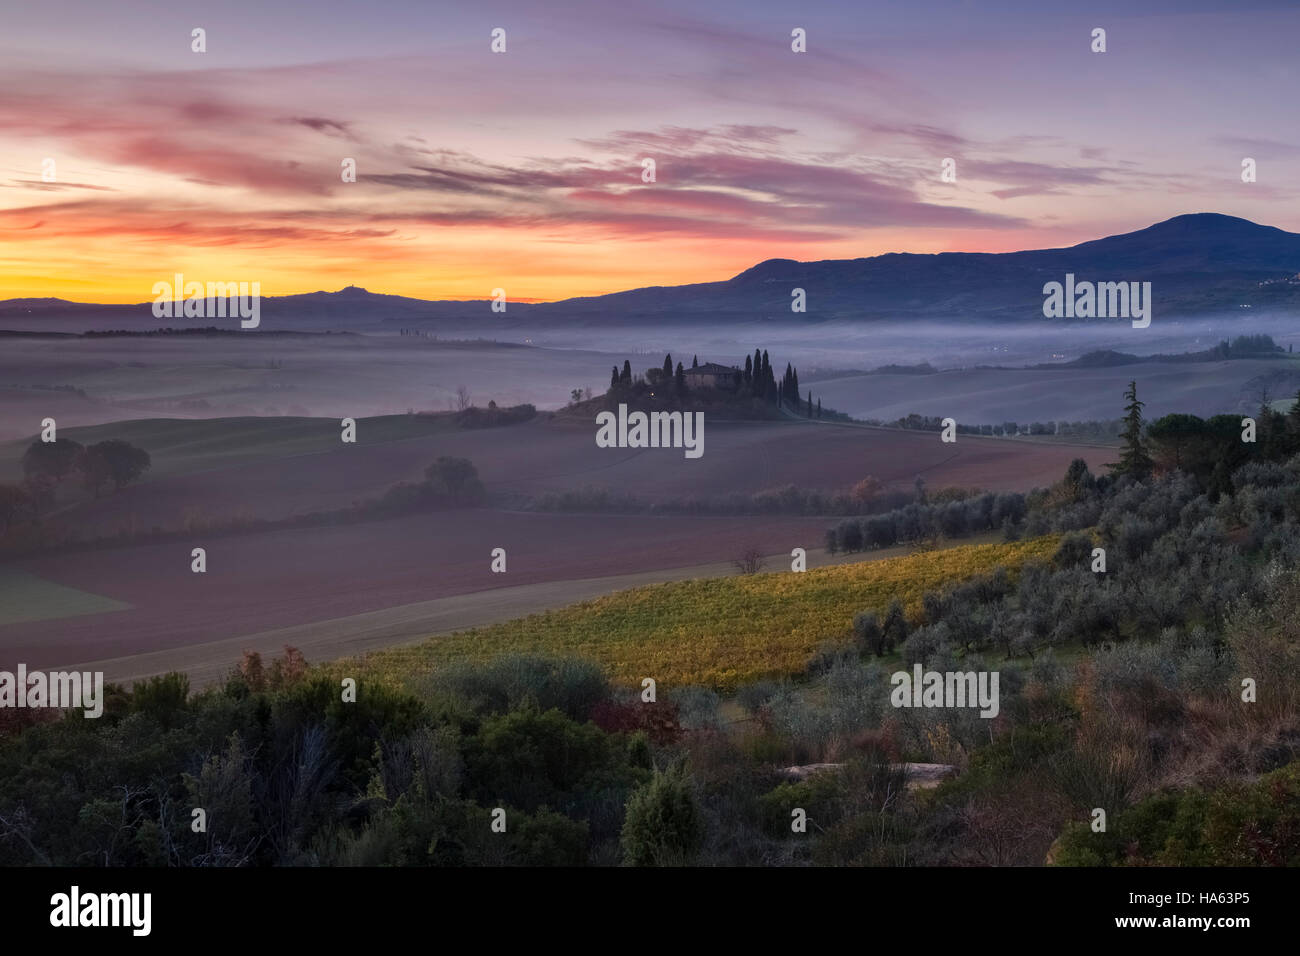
x=160 y=697
x=662 y=826
x=572 y=685
x=868 y=633
x=697 y=708
x=455 y=478
x=753 y=697
x=529 y=758
x=1075 y=551
x=658 y=721
x=1240 y=824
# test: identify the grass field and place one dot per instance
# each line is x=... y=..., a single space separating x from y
x=716 y=632
x=26 y=597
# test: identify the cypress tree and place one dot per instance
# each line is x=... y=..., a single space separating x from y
x=626 y=378
x=1134 y=459
x=613 y=378
x=819 y=408
x=749 y=370
x=695 y=362
x=668 y=367
x=809 y=402
x=681 y=379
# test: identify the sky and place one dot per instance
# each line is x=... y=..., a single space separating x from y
x=127 y=157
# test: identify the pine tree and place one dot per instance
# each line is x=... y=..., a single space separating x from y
x=1134 y=459
x=1293 y=427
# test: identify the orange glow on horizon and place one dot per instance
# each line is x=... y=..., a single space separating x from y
x=530 y=268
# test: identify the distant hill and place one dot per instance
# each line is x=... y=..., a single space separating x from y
x=1242 y=347
x=1197 y=263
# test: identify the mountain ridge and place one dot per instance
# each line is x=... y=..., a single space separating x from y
x=1197 y=262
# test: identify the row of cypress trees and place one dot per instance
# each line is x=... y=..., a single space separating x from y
x=757 y=377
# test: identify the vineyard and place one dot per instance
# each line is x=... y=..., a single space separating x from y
x=715 y=632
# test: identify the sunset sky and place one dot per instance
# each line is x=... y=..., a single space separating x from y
x=522 y=170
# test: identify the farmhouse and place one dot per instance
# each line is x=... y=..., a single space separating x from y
x=712 y=375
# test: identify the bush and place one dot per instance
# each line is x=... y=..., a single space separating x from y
x=697 y=708
x=529 y=758
x=818 y=796
x=662 y=826
x=1075 y=551
x=455 y=478
x=571 y=685
x=869 y=634
x=1241 y=824
x=753 y=697
x=160 y=697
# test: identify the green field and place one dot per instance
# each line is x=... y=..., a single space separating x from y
x=26 y=597
x=716 y=632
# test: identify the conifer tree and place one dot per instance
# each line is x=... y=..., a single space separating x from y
x=1134 y=459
